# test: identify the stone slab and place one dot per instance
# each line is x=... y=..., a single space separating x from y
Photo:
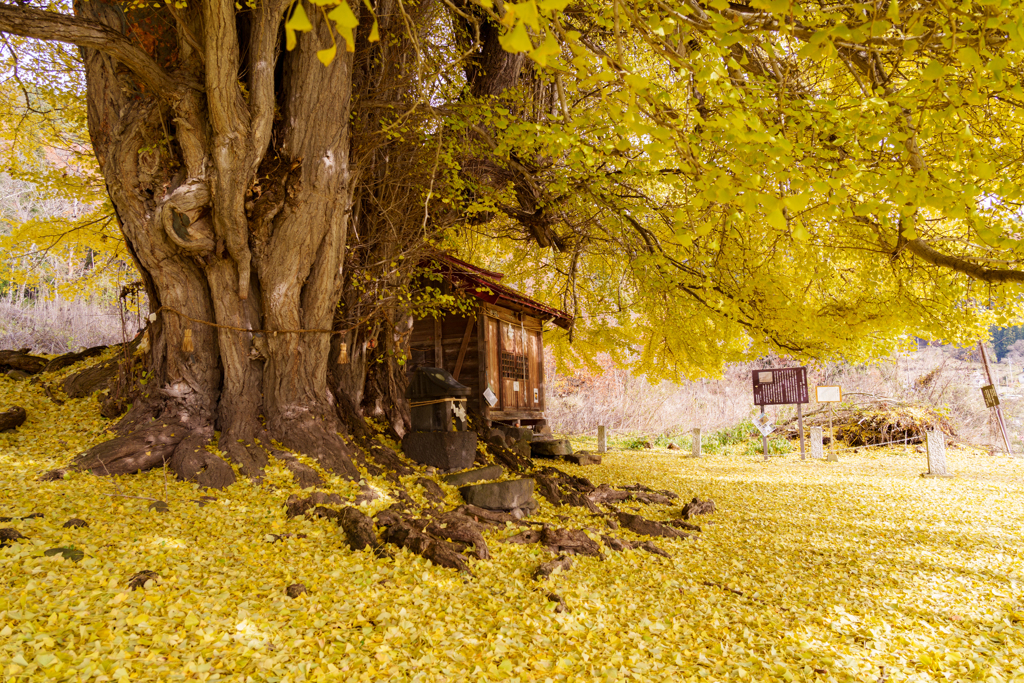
x=583 y=458
x=695 y=451
x=516 y=494
x=443 y=450
x=817 y=447
x=472 y=476
x=936 y=443
x=550 y=448
x=513 y=433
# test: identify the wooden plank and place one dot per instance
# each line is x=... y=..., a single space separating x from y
x=540 y=371
x=505 y=315
x=535 y=348
x=438 y=349
x=481 y=350
x=470 y=326
x=516 y=415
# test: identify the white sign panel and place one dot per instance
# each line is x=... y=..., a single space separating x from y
x=491 y=398
x=829 y=394
x=764 y=424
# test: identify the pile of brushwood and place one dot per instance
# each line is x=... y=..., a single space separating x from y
x=881 y=421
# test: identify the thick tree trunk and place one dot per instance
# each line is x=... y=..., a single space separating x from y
x=241 y=248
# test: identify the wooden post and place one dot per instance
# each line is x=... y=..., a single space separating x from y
x=602 y=440
x=764 y=440
x=695 y=451
x=800 y=426
x=470 y=325
x=831 y=436
x=999 y=411
x=438 y=347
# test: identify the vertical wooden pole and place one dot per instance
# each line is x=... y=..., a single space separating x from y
x=999 y=411
x=764 y=440
x=438 y=347
x=800 y=426
x=470 y=326
x=831 y=435
x=602 y=440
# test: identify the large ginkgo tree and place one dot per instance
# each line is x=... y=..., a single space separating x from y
x=694 y=182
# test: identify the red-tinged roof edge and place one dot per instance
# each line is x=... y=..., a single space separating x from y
x=473 y=278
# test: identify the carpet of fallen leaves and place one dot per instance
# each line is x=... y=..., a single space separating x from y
x=851 y=571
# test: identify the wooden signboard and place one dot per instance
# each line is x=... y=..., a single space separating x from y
x=990 y=395
x=827 y=394
x=780 y=386
x=777 y=387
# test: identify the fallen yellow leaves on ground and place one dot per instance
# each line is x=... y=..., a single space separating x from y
x=851 y=571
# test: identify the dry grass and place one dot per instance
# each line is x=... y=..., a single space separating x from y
x=943 y=379
x=60 y=326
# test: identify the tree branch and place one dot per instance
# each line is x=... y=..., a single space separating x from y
x=926 y=252
x=43 y=25
x=230 y=120
x=263 y=55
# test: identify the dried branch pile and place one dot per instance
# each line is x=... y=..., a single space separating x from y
x=874 y=425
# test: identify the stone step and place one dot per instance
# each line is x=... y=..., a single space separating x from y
x=550 y=448
x=508 y=496
x=471 y=476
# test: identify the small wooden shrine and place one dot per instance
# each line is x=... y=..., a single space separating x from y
x=497 y=351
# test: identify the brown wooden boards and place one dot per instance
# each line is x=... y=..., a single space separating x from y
x=780 y=386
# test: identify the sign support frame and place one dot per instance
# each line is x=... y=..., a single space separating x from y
x=999 y=411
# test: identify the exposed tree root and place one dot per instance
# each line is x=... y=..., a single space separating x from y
x=548 y=568
x=433 y=492
x=144 y=448
x=304 y=475
x=90 y=380
x=698 y=507
x=606 y=494
x=647 y=527
x=569 y=542
x=296 y=505
x=21 y=361
x=359 y=531
x=315 y=439
x=69 y=359
x=402 y=532
x=193 y=462
x=148 y=443
x=455 y=526
x=12 y=418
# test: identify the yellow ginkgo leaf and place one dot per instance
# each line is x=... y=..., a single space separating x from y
x=327 y=56
x=516 y=40
x=548 y=48
x=342 y=16
x=374 y=32
x=299 y=21
x=289 y=39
